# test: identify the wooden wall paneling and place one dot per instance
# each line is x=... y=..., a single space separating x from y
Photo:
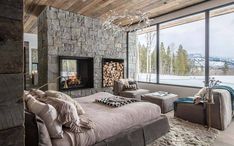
x=11 y=73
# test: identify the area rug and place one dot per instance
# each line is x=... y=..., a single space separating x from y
x=183 y=133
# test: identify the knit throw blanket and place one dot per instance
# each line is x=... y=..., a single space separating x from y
x=116 y=101
x=183 y=100
x=230 y=90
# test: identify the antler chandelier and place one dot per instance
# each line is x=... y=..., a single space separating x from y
x=136 y=20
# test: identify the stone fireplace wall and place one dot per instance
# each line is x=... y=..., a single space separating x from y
x=63 y=33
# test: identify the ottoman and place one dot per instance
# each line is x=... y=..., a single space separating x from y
x=164 y=101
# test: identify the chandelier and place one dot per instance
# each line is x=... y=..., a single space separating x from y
x=135 y=20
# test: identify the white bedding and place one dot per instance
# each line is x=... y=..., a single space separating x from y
x=108 y=121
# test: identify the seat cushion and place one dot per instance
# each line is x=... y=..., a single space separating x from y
x=134 y=93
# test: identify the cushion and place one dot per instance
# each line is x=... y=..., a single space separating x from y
x=36 y=132
x=201 y=93
x=67 y=113
x=124 y=81
x=131 y=82
x=134 y=93
x=130 y=87
x=63 y=96
x=48 y=114
x=38 y=93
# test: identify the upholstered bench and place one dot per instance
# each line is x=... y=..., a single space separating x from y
x=189 y=111
x=165 y=102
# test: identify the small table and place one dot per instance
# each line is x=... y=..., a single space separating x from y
x=163 y=99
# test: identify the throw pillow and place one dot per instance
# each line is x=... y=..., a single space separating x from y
x=48 y=114
x=130 y=87
x=63 y=96
x=37 y=92
x=201 y=93
x=67 y=113
x=131 y=82
x=124 y=81
x=36 y=132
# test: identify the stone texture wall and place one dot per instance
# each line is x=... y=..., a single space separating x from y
x=132 y=55
x=11 y=73
x=63 y=33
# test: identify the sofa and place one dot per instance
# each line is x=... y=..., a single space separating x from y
x=220 y=112
x=119 y=89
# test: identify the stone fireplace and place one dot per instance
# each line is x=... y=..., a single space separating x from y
x=63 y=33
x=75 y=73
x=112 y=70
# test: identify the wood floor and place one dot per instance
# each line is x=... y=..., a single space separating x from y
x=226 y=138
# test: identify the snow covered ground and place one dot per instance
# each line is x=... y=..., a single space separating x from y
x=196 y=81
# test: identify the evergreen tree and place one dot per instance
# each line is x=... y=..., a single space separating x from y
x=225 y=68
x=162 y=57
x=168 y=61
x=153 y=61
x=173 y=63
x=142 y=58
x=182 y=62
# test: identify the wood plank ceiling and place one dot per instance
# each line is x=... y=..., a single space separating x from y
x=101 y=8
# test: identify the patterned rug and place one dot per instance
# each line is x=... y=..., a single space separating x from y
x=183 y=133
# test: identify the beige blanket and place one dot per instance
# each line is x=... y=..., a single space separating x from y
x=108 y=121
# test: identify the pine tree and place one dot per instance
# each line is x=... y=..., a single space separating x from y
x=225 y=68
x=182 y=66
x=153 y=61
x=173 y=63
x=142 y=58
x=162 y=58
x=168 y=60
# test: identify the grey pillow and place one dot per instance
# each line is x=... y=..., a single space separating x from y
x=133 y=83
x=67 y=113
x=63 y=96
x=36 y=132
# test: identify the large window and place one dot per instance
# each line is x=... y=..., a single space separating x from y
x=221 y=61
x=146 y=54
x=182 y=44
x=182 y=51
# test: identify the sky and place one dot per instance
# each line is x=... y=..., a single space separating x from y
x=192 y=36
x=32 y=39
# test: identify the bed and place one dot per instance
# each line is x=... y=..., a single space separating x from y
x=135 y=124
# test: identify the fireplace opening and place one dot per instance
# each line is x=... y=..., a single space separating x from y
x=75 y=73
x=112 y=70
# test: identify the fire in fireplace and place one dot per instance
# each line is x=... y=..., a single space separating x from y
x=112 y=69
x=75 y=73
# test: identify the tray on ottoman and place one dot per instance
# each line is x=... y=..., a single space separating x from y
x=163 y=99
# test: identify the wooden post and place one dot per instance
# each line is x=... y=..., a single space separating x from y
x=11 y=73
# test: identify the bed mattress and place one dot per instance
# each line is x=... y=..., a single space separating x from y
x=108 y=121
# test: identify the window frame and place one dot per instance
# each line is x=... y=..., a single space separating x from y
x=207 y=45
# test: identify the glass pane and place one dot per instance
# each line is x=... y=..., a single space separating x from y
x=146 y=54
x=222 y=45
x=182 y=51
x=69 y=73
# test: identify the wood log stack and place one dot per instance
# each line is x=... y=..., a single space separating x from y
x=112 y=71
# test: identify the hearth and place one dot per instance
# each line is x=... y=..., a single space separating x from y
x=75 y=72
x=112 y=69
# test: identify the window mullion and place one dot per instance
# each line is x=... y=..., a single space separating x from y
x=207 y=31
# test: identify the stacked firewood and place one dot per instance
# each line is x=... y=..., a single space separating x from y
x=112 y=71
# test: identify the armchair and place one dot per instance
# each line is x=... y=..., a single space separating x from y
x=221 y=111
x=119 y=89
